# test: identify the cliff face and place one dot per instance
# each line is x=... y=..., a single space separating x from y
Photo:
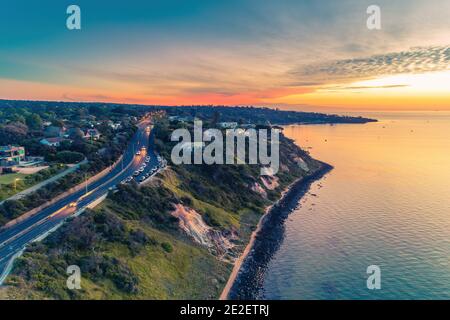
x=173 y=238
x=218 y=242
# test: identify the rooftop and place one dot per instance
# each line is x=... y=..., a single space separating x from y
x=9 y=148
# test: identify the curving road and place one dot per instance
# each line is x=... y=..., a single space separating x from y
x=14 y=239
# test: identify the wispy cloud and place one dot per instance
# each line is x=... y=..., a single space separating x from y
x=394 y=86
x=415 y=60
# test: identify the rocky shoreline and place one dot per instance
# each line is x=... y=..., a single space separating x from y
x=249 y=280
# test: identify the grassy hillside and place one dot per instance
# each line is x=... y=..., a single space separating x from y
x=134 y=247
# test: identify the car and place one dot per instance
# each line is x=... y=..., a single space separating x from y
x=136 y=173
x=138 y=153
x=72 y=205
x=141 y=170
x=147 y=158
x=142 y=179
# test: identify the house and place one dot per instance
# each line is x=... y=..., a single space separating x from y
x=53 y=142
x=74 y=133
x=53 y=131
x=181 y=119
x=92 y=134
x=114 y=125
x=186 y=146
x=11 y=155
x=228 y=125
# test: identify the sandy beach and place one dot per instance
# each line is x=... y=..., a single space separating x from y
x=248 y=248
x=303 y=183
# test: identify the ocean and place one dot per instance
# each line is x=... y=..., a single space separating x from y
x=385 y=203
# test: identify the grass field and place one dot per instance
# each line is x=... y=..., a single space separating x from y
x=25 y=181
x=9 y=178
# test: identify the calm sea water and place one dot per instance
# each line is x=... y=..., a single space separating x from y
x=386 y=203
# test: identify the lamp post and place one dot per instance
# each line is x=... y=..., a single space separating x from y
x=15 y=184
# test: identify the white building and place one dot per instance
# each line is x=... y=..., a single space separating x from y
x=228 y=125
x=52 y=142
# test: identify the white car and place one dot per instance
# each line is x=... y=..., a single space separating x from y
x=72 y=204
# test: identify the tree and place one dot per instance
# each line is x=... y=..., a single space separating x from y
x=12 y=133
x=215 y=118
x=34 y=121
x=57 y=123
x=76 y=134
x=69 y=157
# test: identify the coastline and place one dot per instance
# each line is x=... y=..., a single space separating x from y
x=245 y=278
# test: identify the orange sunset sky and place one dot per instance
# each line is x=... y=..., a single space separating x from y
x=300 y=55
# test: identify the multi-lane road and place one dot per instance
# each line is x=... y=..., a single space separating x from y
x=16 y=237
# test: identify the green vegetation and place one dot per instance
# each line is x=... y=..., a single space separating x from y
x=25 y=123
x=10 y=178
x=258 y=115
x=119 y=259
x=69 y=157
x=9 y=186
x=132 y=247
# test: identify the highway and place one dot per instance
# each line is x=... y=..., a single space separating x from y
x=15 y=238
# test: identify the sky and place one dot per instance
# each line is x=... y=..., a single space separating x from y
x=292 y=54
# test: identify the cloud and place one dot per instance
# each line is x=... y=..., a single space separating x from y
x=393 y=86
x=415 y=60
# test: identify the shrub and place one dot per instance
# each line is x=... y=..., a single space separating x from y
x=167 y=247
x=69 y=157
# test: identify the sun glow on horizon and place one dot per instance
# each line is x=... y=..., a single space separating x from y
x=428 y=91
x=425 y=83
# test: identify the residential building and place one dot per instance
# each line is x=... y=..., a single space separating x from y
x=53 y=132
x=114 y=125
x=186 y=146
x=11 y=155
x=228 y=125
x=53 y=142
x=92 y=134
